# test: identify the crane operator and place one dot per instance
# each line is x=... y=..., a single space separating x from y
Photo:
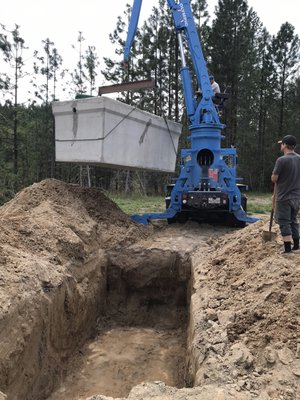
x=214 y=85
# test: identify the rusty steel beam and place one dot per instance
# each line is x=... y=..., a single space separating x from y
x=123 y=87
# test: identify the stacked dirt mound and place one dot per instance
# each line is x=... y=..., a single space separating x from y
x=247 y=302
x=53 y=239
x=52 y=204
x=50 y=224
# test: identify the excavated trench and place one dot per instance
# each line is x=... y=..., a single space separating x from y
x=172 y=303
x=141 y=332
x=116 y=321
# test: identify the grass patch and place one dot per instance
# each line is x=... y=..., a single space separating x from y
x=139 y=205
x=258 y=203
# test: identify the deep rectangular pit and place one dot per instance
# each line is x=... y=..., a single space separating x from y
x=142 y=331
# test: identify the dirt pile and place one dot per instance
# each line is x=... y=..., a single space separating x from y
x=39 y=213
x=53 y=239
x=50 y=224
x=247 y=302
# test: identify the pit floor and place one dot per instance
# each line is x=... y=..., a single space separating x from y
x=122 y=357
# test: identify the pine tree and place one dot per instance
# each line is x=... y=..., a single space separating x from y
x=91 y=64
x=285 y=49
x=78 y=76
x=13 y=55
x=264 y=106
x=293 y=107
x=46 y=69
x=232 y=51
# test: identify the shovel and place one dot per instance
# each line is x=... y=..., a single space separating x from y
x=269 y=235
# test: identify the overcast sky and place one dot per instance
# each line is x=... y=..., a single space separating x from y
x=60 y=21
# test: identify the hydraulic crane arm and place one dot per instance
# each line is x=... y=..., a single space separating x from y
x=134 y=19
x=184 y=23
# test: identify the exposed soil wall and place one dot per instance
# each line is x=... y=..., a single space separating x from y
x=41 y=332
x=148 y=286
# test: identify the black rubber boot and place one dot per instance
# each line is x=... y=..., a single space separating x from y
x=287 y=248
x=296 y=245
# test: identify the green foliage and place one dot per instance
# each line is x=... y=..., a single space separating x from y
x=257 y=70
x=285 y=51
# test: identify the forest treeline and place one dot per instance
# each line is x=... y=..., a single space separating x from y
x=259 y=70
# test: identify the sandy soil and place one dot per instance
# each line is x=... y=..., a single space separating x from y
x=125 y=357
x=61 y=247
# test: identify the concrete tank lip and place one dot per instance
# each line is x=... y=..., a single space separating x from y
x=116 y=166
x=58 y=107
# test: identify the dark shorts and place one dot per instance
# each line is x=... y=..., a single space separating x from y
x=286 y=217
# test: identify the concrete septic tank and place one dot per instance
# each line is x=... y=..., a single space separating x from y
x=101 y=130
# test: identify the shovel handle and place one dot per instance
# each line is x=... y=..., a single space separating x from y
x=273 y=207
x=271 y=219
x=274 y=197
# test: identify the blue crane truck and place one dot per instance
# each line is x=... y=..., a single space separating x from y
x=206 y=188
